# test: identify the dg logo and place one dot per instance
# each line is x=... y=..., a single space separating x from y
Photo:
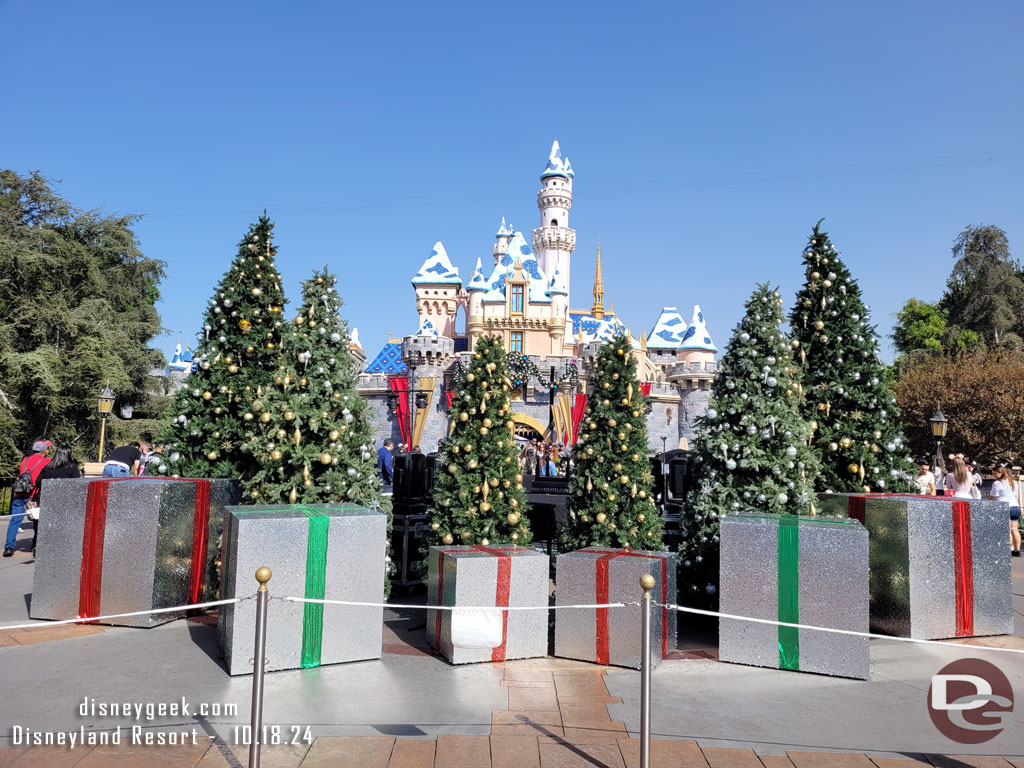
x=970 y=701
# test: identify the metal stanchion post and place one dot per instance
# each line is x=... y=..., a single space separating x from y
x=258 y=662
x=647 y=583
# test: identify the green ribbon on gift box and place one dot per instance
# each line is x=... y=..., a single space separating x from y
x=789 y=591
x=316 y=585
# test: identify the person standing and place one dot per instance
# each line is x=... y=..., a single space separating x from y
x=960 y=481
x=1004 y=489
x=123 y=461
x=62 y=466
x=385 y=463
x=30 y=467
x=925 y=480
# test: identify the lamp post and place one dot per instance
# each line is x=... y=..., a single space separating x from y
x=664 y=471
x=106 y=402
x=939 y=424
x=552 y=393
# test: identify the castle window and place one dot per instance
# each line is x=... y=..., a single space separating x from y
x=554 y=222
x=516 y=342
x=518 y=297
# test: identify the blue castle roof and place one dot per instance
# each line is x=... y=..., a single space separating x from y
x=437 y=269
x=388 y=360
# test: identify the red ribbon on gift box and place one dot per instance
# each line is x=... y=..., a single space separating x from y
x=963 y=552
x=602 y=588
x=502 y=589
x=90 y=582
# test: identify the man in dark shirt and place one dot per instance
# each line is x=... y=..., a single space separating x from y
x=384 y=462
x=123 y=461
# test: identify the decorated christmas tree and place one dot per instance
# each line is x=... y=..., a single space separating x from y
x=479 y=497
x=858 y=439
x=310 y=430
x=752 y=451
x=610 y=501
x=237 y=352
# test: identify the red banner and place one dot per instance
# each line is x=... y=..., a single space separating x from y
x=200 y=532
x=578 y=409
x=501 y=595
x=645 y=388
x=400 y=386
x=601 y=593
x=449 y=396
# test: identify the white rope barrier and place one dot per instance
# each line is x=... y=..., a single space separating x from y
x=943 y=643
x=455 y=607
x=44 y=623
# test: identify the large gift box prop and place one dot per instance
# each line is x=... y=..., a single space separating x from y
x=118 y=545
x=612 y=635
x=940 y=566
x=482 y=576
x=798 y=570
x=322 y=553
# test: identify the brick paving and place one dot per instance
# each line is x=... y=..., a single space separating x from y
x=557 y=718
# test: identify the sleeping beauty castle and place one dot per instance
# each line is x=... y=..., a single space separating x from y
x=520 y=292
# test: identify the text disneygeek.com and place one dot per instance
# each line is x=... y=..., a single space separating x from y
x=97 y=734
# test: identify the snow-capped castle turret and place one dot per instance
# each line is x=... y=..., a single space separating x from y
x=502 y=236
x=553 y=240
x=437 y=287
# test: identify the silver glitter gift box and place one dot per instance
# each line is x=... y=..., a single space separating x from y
x=940 y=566
x=612 y=635
x=481 y=576
x=321 y=552
x=798 y=570
x=116 y=546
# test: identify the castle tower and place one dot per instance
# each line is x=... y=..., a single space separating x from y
x=598 y=309
x=437 y=287
x=553 y=240
x=558 y=292
x=502 y=236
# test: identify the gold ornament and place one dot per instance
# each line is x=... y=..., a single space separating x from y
x=289 y=415
x=642 y=494
x=212 y=455
x=254 y=494
x=819 y=324
x=232 y=368
x=513 y=518
x=270 y=345
x=334 y=434
x=287 y=380
x=207 y=395
x=447 y=538
x=623 y=479
x=828 y=283
x=265 y=417
x=493 y=482
x=278 y=380
x=325 y=458
x=256 y=291
x=485 y=507
x=435 y=526
x=483 y=430
x=303 y=382
x=612 y=422
x=293 y=496
x=248 y=417
x=641 y=517
x=606 y=385
x=515 y=537
x=470 y=377
x=815 y=275
x=472 y=464
x=833 y=446
x=281 y=434
x=519 y=478
x=853 y=469
x=814 y=426
x=244 y=324
x=487 y=423
x=300 y=320
x=463 y=416
x=601 y=517
x=846 y=442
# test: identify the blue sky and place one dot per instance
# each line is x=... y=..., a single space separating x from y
x=707 y=138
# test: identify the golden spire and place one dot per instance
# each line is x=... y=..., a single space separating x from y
x=598 y=309
x=643 y=340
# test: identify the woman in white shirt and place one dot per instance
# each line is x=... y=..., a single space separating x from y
x=1004 y=489
x=960 y=481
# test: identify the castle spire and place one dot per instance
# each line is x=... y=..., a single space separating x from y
x=598 y=309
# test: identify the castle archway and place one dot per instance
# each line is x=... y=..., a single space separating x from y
x=528 y=427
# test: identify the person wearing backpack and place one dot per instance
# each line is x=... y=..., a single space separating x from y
x=25 y=489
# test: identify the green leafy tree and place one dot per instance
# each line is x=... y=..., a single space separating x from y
x=858 y=436
x=237 y=353
x=752 y=452
x=985 y=292
x=610 y=500
x=309 y=430
x=77 y=311
x=479 y=497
